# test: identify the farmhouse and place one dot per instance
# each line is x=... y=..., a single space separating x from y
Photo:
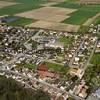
x=90 y=1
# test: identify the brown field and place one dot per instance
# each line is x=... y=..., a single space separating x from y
x=52 y=2
x=50 y=18
x=53 y=14
x=49 y=4
x=55 y=26
x=4 y=4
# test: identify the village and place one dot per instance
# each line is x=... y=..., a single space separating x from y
x=51 y=60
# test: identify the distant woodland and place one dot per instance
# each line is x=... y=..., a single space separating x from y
x=12 y=90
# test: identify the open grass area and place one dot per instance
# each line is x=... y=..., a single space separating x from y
x=21 y=22
x=96 y=59
x=27 y=65
x=57 y=68
x=54 y=67
x=66 y=40
x=22 y=6
x=30 y=66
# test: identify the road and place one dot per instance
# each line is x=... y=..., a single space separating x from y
x=92 y=52
x=42 y=82
x=75 y=54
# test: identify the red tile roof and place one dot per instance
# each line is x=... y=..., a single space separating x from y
x=42 y=67
x=48 y=74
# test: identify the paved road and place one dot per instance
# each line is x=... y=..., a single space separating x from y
x=75 y=54
x=42 y=82
x=92 y=52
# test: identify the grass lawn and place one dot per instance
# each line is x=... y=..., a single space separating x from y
x=30 y=66
x=96 y=59
x=54 y=67
x=21 y=22
x=27 y=65
x=66 y=40
x=57 y=68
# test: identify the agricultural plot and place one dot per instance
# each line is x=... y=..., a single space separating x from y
x=21 y=21
x=50 y=18
x=82 y=15
x=5 y=4
x=21 y=6
x=55 y=26
x=53 y=14
x=66 y=15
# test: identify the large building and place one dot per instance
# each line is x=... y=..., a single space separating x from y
x=90 y=1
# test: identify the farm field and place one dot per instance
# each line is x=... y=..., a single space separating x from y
x=53 y=14
x=83 y=13
x=5 y=4
x=22 y=6
x=67 y=15
x=54 y=26
x=21 y=22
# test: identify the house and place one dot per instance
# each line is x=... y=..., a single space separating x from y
x=77 y=72
x=83 y=92
x=43 y=72
x=55 y=44
x=98 y=48
x=80 y=90
x=42 y=67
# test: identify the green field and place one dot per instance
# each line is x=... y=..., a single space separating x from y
x=30 y=66
x=21 y=22
x=96 y=59
x=66 y=40
x=79 y=17
x=82 y=14
x=57 y=68
x=97 y=21
x=54 y=67
x=22 y=6
x=27 y=65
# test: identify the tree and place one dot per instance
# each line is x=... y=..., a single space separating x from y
x=12 y=90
